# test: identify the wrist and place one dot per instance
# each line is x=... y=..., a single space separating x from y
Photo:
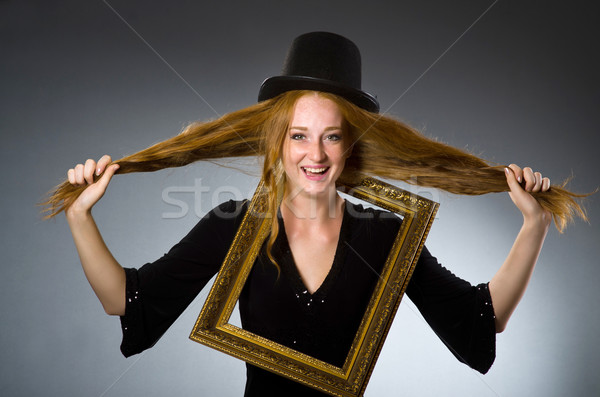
x=77 y=214
x=539 y=223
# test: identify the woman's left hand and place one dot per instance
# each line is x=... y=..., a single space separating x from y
x=509 y=283
x=522 y=182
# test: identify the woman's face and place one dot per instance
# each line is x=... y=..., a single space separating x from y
x=315 y=147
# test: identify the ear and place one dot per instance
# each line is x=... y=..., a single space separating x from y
x=348 y=152
x=347 y=137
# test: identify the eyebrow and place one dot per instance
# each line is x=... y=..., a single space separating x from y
x=332 y=128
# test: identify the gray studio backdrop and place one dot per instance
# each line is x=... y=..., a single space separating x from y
x=512 y=82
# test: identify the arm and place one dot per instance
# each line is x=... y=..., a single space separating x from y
x=509 y=283
x=103 y=272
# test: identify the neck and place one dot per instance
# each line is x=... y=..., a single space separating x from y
x=316 y=208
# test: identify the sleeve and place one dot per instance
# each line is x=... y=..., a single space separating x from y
x=460 y=314
x=158 y=292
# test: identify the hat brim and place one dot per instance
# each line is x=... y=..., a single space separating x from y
x=274 y=86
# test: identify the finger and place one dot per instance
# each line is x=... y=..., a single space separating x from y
x=529 y=178
x=71 y=176
x=102 y=163
x=511 y=179
x=538 y=182
x=545 y=184
x=518 y=172
x=88 y=171
x=79 y=174
x=527 y=204
x=107 y=176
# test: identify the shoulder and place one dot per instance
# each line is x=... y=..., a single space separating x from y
x=358 y=211
x=228 y=210
x=223 y=220
x=372 y=220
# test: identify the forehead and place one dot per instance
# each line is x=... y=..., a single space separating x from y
x=316 y=110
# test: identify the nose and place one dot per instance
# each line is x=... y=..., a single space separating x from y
x=316 y=152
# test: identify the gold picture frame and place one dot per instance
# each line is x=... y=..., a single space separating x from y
x=214 y=330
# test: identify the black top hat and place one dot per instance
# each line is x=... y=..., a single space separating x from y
x=321 y=61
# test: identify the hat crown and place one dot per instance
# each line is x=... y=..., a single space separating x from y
x=324 y=55
x=321 y=61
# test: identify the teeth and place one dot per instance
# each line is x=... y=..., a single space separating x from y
x=315 y=170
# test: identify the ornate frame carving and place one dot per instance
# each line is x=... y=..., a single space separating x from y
x=212 y=327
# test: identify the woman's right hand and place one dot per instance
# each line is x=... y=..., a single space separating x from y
x=83 y=175
x=104 y=273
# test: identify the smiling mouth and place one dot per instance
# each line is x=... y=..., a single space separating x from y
x=314 y=171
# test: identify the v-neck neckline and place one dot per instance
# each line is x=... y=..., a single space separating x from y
x=289 y=264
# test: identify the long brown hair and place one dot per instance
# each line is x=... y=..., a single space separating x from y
x=382 y=147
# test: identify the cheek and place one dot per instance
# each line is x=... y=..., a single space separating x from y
x=292 y=153
x=288 y=155
x=340 y=154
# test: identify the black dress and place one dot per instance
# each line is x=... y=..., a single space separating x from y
x=321 y=324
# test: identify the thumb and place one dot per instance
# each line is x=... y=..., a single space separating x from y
x=107 y=176
x=511 y=179
x=523 y=201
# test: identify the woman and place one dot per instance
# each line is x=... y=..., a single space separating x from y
x=315 y=127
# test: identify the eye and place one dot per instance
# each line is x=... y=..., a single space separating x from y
x=297 y=137
x=333 y=137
